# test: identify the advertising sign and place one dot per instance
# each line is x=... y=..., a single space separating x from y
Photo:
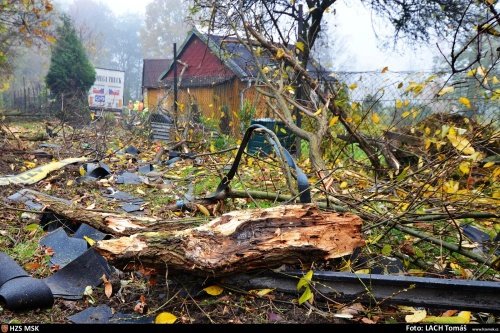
x=107 y=91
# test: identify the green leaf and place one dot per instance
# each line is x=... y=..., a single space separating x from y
x=305 y=280
x=306 y=296
x=418 y=252
x=386 y=250
x=32 y=227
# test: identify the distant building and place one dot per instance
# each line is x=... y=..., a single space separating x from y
x=152 y=91
x=217 y=74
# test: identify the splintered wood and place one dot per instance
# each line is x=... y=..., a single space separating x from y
x=240 y=241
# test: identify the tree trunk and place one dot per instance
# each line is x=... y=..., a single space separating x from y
x=236 y=242
x=240 y=241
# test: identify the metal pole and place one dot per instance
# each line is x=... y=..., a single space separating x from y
x=175 y=78
x=299 y=95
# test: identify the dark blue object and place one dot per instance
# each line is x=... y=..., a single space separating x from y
x=86 y=230
x=66 y=249
x=86 y=270
x=18 y=290
x=102 y=314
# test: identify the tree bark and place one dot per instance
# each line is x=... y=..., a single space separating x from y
x=236 y=242
x=240 y=241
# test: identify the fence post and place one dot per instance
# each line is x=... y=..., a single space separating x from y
x=24 y=89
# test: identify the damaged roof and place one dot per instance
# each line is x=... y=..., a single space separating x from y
x=235 y=58
x=151 y=71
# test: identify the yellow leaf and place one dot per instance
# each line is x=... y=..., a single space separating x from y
x=343 y=185
x=495 y=80
x=280 y=53
x=89 y=240
x=355 y=105
x=463 y=317
x=385 y=69
x=427 y=142
x=465 y=101
x=70 y=182
x=464 y=167
x=427 y=131
x=489 y=165
x=363 y=271
x=214 y=290
x=417 y=316
x=261 y=292
x=405 y=114
x=82 y=171
x=446 y=90
x=140 y=191
x=29 y=165
x=399 y=104
x=375 y=118
x=165 y=318
x=460 y=143
x=451 y=186
x=300 y=46
x=333 y=121
x=266 y=70
x=353 y=86
x=318 y=112
x=203 y=209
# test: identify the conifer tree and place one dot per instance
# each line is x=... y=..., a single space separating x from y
x=70 y=74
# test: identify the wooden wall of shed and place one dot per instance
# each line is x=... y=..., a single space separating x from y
x=211 y=100
x=152 y=96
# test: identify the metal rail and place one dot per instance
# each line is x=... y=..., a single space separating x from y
x=387 y=289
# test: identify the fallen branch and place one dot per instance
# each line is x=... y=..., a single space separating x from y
x=448 y=246
x=238 y=241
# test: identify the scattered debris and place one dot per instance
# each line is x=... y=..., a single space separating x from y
x=129 y=178
x=18 y=290
x=132 y=150
x=97 y=170
x=103 y=314
x=145 y=169
x=66 y=249
x=86 y=270
x=35 y=175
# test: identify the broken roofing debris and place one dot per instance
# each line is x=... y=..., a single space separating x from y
x=103 y=314
x=19 y=291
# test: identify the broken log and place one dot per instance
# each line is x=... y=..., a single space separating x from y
x=240 y=241
x=236 y=242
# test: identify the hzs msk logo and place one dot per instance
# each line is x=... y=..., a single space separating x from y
x=5 y=328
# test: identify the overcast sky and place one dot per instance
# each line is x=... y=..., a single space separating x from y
x=354 y=24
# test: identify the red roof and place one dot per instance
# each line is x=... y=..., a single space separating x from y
x=203 y=67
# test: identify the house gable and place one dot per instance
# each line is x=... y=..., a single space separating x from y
x=203 y=67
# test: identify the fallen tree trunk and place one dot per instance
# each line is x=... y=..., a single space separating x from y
x=243 y=240
x=236 y=242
